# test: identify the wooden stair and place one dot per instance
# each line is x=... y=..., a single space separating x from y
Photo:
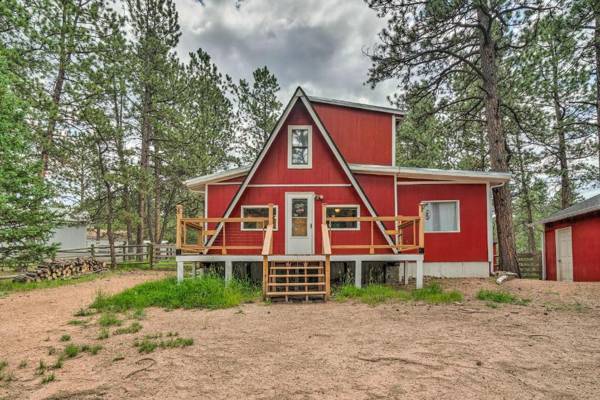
x=296 y=279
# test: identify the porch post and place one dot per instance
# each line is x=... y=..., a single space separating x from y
x=419 y=277
x=228 y=270
x=179 y=271
x=358 y=273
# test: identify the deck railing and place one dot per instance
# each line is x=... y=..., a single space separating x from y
x=408 y=232
x=204 y=229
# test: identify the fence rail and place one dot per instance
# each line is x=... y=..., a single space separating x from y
x=150 y=253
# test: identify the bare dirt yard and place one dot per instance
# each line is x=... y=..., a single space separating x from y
x=548 y=349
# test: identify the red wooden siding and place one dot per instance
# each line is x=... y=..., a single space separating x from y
x=470 y=244
x=363 y=137
x=585 y=231
x=274 y=171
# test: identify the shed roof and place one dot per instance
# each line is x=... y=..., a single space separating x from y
x=587 y=206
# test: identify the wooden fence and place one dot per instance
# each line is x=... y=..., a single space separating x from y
x=124 y=253
x=529 y=263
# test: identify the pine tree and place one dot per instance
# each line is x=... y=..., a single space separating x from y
x=258 y=109
x=431 y=44
x=26 y=220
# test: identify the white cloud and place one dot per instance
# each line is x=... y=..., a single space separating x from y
x=316 y=44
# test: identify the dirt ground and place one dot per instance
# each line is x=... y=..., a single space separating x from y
x=549 y=349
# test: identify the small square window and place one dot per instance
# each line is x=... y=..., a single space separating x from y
x=299 y=146
x=441 y=216
x=257 y=211
x=343 y=211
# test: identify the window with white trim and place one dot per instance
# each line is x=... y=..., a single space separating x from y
x=299 y=146
x=441 y=216
x=257 y=211
x=343 y=211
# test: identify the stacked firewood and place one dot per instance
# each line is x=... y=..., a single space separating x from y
x=62 y=269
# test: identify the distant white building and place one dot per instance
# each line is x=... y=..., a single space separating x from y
x=71 y=234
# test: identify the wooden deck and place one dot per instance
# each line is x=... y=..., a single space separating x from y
x=293 y=276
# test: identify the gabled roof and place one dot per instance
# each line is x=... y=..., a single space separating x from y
x=587 y=206
x=299 y=95
x=402 y=172
x=350 y=104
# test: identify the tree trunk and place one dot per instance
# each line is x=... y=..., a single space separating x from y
x=498 y=147
x=57 y=90
x=597 y=56
x=109 y=208
x=144 y=159
x=526 y=195
x=157 y=194
x=566 y=196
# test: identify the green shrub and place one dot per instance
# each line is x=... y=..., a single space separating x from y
x=41 y=368
x=77 y=322
x=65 y=338
x=150 y=342
x=208 y=291
x=375 y=294
x=498 y=296
x=3 y=364
x=59 y=362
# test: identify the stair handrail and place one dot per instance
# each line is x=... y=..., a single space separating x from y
x=326 y=240
x=267 y=248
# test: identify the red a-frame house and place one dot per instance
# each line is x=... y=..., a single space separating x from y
x=325 y=188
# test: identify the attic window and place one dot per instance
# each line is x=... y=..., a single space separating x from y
x=299 y=146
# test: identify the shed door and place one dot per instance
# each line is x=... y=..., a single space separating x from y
x=299 y=223
x=564 y=255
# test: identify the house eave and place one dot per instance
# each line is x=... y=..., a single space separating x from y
x=433 y=174
x=198 y=183
x=350 y=104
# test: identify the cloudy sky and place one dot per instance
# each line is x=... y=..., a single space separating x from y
x=316 y=44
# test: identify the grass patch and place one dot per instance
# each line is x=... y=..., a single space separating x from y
x=3 y=364
x=71 y=350
x=23 y=364
x=77 y=322
x=8 y=286
x=208 y=291
x=103 y=334
x=499 y=296
x=109 y=319
x=135 y=327
x=48 y=378
x=93 y=349
x=58 y=364
x=150 y=342
x=84 y=312
x=376 y=294
x=41 y=368
x=576 y=307
x=65 y=338
x=139 y=314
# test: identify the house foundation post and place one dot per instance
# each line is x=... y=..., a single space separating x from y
x=228 y=270
x=179 y=271
x=358 y=273
x=419 y=275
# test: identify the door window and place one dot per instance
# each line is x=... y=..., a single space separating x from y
x=299 y=217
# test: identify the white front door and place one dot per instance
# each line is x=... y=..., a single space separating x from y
x=299 y=223
x=564 y=255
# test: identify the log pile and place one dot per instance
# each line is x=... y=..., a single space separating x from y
x=62 y=269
